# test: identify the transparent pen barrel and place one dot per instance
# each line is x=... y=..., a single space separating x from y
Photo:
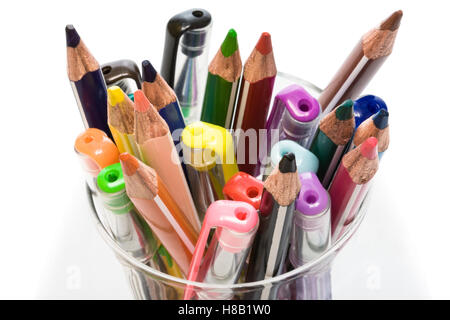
x=191 y=72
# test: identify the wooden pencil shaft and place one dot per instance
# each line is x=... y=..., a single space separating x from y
x=90 y=93
x=219 y=101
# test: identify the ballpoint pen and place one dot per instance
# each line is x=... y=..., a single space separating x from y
x=222 y=86
x=121 y=120
x=294 y=114
x=156 y=149
x=276 y=211
x=331 y=140
x=87 y=82
x=122 y=73
x=236 y=223
x=185 y=59
x=311 y=237
x=150 y=196
x=350 y=185
x=210 y=162
x=377 y=126
x=305 y=160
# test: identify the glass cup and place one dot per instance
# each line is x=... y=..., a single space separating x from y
x=149 y=283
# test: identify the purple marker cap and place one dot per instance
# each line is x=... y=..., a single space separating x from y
x=313 y=198
x=298 y=102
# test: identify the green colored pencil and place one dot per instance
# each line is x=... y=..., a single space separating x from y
x=222 y=84
x=334 y=133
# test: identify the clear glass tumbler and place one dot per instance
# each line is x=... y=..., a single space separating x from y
x=149 y=283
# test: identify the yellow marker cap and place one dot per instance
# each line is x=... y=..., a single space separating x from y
x=215 y=144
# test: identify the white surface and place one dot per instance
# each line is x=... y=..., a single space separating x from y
x=49 y=246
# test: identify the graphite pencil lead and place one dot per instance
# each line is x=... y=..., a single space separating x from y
x=264 y=45
x=230 y=44
x=148 y=72
x=393 y=22
x=381 y=119
x=72 y=37
x=345 y=110
x=287 y=163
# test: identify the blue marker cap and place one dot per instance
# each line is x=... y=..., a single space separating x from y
x=306 y=161
x=367 y=106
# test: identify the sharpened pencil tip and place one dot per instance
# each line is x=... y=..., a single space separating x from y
x=369 y=148
x=129 y=163
x=287 y=163
x=72 y=37
x=115 y=95
x=381 y=119
x=141 y=102
x=148 y=71
x=264 y=45
x=230 y=44
x=393 y=22
x=345 y=110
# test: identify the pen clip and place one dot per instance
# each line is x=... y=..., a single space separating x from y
x=176 y=27
x=120 y=70
x=236 y=216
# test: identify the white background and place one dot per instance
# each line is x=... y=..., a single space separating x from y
x=46 y=235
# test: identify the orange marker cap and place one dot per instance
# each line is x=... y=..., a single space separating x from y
x=96 y=150
x=244 y=187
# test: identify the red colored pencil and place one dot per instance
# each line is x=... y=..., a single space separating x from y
x=351 y=183
x=254 y=101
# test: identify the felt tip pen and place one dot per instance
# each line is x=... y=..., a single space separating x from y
x=236 y=223
x=244 y=187
x=122 y=73
x=208 y=152
x=294 y=113
x=95 y=151
x=311 y=237
x=367 y=106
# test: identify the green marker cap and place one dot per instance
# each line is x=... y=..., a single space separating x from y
x=131 y=96
x=345 y=110
x=230 y=44
x=112 y=186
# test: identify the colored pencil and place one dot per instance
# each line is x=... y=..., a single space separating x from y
x=362 y=64
x=87 y=82
x=334 y=133
x=254 y=100
x=121 y=120
x=350 y=185
x=151 y=197
x=276 y=213
x=156 y=149
x=222 y=84
x=377 y=126
x=163 y=98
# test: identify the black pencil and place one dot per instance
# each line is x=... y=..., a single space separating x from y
x=87 y=82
